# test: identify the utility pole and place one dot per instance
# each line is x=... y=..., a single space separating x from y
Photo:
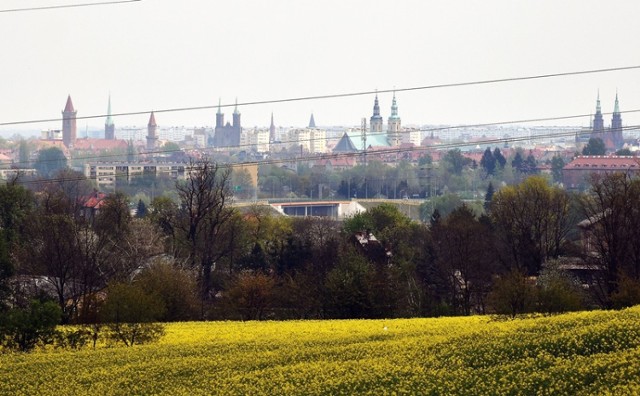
x=364 y=155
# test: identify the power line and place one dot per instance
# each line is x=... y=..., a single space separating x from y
x=339 y=95
x=395 y=150
x=53 y=7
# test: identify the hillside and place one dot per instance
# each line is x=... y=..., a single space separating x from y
x=579 y=353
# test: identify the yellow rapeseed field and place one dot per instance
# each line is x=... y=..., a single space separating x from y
x=596 y=353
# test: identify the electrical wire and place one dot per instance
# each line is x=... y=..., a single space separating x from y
x=339 y=95
x=397 y=150
x=53 y=7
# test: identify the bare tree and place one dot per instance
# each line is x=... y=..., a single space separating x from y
x=202 y=216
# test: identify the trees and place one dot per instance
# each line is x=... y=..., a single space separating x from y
x=612 y=216
x=488 y=162
x=595 y=146
x=130 y=312
x=49 y=161
x=24 y=328
x=532 y=221
x=464 y=260
x=455 y=161
x=557 y=164
x=204 y=211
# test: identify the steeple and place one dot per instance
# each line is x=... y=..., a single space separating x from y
x=376 y=107
x=68 y=108
x=235 y=110
x=236 y=119
x=152 y=137
x=616 y=127
x=394 y=107
x=272 y=130
x=376 y=120
x=219 y=115
x=312 y=122
x=616 y=107
x=69 y=127
x=109 y=127
x=109 y=120
x=598 y=121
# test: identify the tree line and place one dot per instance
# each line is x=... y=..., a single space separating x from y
x=536 y=247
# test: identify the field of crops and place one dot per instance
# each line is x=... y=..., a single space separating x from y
x=581 y=353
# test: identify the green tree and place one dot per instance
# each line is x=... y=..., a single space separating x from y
x=500 y=159
x=25 y=328
x=488 y=162
x=557 y=164
x=532 y=221
x=512 y=294
x=349 y=287
x=595 y=146
x=455 y=161
x=24 y=155
x=129 y=313
x=488 y=197
x=624 y=151
x=49 y=161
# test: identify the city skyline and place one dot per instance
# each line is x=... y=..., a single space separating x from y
x=163 y=55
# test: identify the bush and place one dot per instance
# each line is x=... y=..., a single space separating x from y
x=512 y=294
x=129 y=312
x=25 y=328
x=558 y=291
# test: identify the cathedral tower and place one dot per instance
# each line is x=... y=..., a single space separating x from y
x=616 y=126
x=272 y=131
x=598 y=122
x=69 y=128
x=393 y=127
x=376 y=119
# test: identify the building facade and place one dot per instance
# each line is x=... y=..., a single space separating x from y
x=612 y=137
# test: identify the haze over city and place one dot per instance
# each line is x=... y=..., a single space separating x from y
x=155 y=55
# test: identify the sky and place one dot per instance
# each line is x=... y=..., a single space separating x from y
x=164 y=54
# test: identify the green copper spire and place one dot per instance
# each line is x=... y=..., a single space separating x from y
x=394 y=107
x=616 y=108
x=110 y=119
x=598 y=108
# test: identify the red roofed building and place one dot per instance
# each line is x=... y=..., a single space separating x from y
x=92 y=204
x=91 y=144
x=576 y=173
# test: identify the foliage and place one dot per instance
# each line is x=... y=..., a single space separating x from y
x=49 y=161
x=532 y=220
x=251 y=294
x=513 y=293
x=25 y=328
x=595 y=146
x=586 y=353
x=558 y=291
x=129 y=314
x=624 y=151
x=557 y=165
x=455 y=161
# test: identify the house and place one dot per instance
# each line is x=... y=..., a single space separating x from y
x=576 y=174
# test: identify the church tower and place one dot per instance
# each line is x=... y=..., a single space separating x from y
x=152 y=137
x=312 y=122
x=393 y=127
x=616 y=126
x=109 y=127
x=376 y=119
x=272 y=131
x=236 y=119
x=69 y=128
x=598 y=122
x=219 y=116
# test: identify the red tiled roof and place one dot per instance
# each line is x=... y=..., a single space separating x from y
x=99 y=144
x=604 y=162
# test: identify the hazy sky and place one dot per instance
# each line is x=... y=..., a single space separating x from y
x=159 y=54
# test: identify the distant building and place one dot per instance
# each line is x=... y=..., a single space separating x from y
x=394 y=128
x=576 y=174
x=152 y=137
x=376 y=118
x=272 y=131
x=311 y=140
x=227 y=135
x=109 y=126
x=69 y=128
x=256 y=140
x=612 y=137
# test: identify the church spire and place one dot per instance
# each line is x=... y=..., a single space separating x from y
x=219 y=106
x=312 y=122
x=394 y=106
x=616 y=107
x=598 y=108
x=376 y=107
x=235 y=110
x=272 y=130
x=109 y=120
